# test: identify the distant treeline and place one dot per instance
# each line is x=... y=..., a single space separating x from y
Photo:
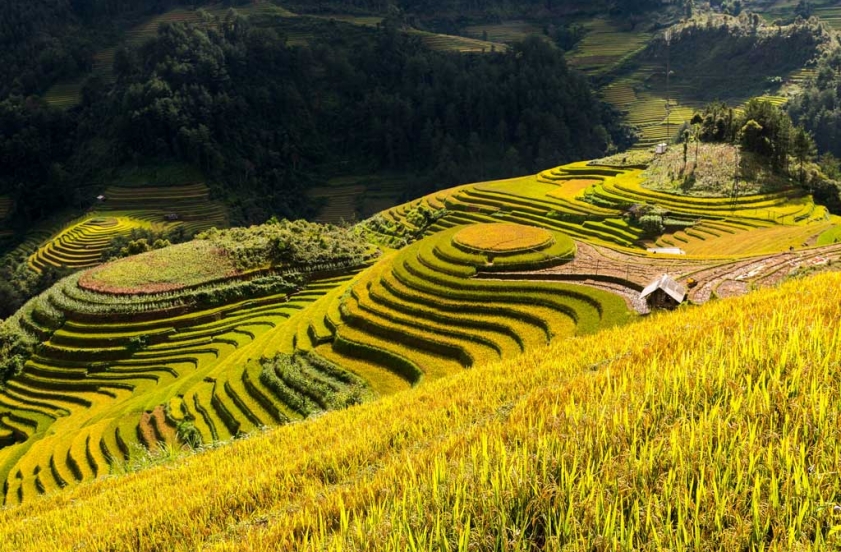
x=263 y=118
x=491 y=8
x=818 y=108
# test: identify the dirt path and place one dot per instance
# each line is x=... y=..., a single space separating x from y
x=626 y=274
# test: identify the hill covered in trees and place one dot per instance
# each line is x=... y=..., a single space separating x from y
x=263 y=118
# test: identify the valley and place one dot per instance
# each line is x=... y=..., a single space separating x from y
x=345 y=275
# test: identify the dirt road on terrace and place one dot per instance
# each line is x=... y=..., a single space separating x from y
x=626 y=274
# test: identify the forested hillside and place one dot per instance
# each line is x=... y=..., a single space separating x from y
x=43 y=40
x=266 y=119
x=819 y=107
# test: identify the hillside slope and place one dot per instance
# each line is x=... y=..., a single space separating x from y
x=713 y=428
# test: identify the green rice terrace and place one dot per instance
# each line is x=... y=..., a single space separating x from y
x=122 y=210
x=244 y=328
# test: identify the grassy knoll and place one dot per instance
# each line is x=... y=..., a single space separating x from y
x=702 y=429
x=169 y=269
x=711 y=170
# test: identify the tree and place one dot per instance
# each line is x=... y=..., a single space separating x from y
x=804 y=9
x=803 y=148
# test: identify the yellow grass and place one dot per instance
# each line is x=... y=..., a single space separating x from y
x=502 y=237
x=570 y=189
x=710 y=429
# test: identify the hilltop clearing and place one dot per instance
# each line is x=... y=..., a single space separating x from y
x=712 y=427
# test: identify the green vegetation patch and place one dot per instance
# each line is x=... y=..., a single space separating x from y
x=833 y=235
x=169 y=269
x=287 y=243
x=710 y=170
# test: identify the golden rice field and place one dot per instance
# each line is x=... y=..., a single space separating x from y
x=81 y=244
x=132 y=357
x=178 y=345
x=709 y=429
x=587 y=203
x=502 y=238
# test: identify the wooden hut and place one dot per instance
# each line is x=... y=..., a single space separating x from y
x=664 y=293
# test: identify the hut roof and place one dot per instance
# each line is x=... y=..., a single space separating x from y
x=668 y=284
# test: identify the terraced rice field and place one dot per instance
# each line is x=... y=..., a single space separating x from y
x=114 y=372
x=341 y=202
x=188 y=205
x=830 y=14
x=418 y=314
x=710 y=428
x=605 y=45
x=453 y=43
x=5 y=207
x=506 y=32
x=645 y=105
x=5 y=210
x=588 y=202
x=81 y=244
x=69 y=93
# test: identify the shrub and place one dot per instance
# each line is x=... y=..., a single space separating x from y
x=652 y=225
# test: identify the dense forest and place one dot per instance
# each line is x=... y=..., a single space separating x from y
x=717 y=57
x=486 y=8
x=42 y=41
x=265 y=118
x=818 y=108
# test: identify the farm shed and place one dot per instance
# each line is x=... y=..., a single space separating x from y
x=663 y=293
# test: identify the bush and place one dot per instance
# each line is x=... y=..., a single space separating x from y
x=290 y=243
x=652 y=225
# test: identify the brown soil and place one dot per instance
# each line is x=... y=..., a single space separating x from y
x=625 y=274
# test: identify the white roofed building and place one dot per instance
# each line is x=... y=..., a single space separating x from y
x=664 y=293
